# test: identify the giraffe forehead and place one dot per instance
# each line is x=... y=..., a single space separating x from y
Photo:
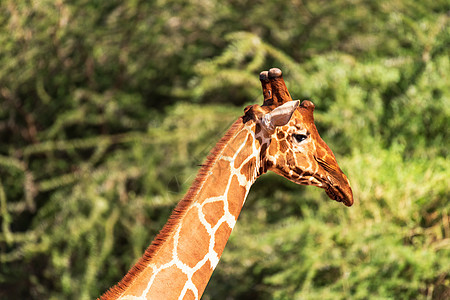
x=302 y=118
x=300 y=124
x=293 y=128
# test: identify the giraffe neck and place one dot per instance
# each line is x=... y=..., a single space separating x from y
x=181 y=260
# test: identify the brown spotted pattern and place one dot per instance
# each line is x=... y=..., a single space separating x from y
x=180 y=263
x=300 y=155
x=203 y=231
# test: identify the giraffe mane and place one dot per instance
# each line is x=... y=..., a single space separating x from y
x=179 y=211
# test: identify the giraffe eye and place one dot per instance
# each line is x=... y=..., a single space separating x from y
x=300 y=137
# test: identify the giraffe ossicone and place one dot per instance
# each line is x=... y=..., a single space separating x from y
x=278 y=136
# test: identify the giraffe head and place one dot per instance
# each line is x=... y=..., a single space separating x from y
x=290 y=143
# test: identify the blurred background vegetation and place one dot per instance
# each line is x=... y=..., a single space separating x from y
x=107 y=108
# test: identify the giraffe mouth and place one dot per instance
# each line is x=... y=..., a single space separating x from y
x=336 y=187
x=336 y=184
x=336 y=193
x=341 y=192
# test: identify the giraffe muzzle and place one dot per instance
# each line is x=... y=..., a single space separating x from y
x=335 y=192
x=336 y=184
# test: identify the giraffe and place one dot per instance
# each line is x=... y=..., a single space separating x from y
x=279 y=136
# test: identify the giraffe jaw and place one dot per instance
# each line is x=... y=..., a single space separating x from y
x=334 y=191
x=336 y=188
x=338 y=192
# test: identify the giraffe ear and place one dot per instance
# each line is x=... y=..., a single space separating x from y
x=280 y=116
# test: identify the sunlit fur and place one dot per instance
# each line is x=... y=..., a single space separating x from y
x=117 y=290
x=248 y=149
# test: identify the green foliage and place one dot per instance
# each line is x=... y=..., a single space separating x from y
x=108 y=107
